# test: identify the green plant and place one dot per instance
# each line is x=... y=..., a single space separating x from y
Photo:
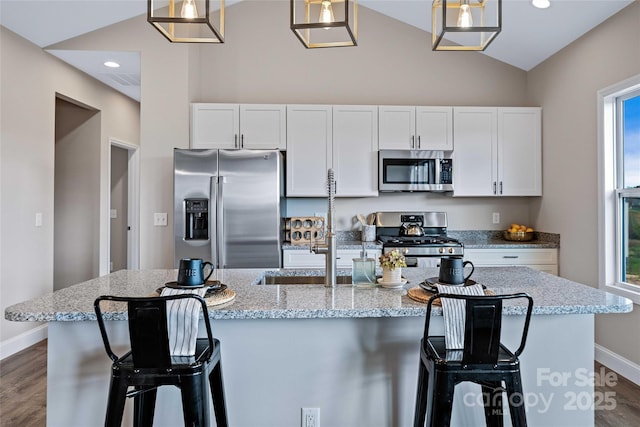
x=392 y=260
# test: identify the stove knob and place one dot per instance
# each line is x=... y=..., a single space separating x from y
x=441 y=250
x=405 y=250
x=450 y=250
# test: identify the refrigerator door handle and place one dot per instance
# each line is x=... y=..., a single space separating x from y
x=222 y=260
x=213 y=241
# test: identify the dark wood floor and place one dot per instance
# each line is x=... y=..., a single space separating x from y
x=23 y=386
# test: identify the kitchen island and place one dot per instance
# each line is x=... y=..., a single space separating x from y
x=351 y=352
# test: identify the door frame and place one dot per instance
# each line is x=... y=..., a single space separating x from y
x=133 y=202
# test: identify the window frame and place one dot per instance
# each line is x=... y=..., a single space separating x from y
x=609 y=196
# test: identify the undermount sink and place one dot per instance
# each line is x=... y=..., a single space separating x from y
x=301 y=280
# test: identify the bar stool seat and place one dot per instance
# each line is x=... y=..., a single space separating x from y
x=149 y=365
x=483 y=360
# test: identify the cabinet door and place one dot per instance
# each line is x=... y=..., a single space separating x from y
x=475 y=155
x=519 y=152
x=263 y=126
x=397 y=126
x=434 y=128
x=215 y=125
x=308 y=149
x=355 y=150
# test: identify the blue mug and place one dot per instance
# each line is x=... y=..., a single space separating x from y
x=191 y=272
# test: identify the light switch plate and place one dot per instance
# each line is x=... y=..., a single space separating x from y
x=160 y=219
x=114 y=213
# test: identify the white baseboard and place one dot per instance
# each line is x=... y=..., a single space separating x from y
x=24 y=340
x=613 y=361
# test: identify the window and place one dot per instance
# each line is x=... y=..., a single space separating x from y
x=619 y=190
x=628 y=187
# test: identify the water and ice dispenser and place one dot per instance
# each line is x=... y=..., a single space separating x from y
x=196 y=219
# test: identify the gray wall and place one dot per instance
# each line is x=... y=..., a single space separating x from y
x=565 y=86
x=30 y=80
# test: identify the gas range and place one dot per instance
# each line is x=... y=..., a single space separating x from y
x=416 y=234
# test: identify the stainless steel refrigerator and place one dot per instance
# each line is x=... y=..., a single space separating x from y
x=228 y=206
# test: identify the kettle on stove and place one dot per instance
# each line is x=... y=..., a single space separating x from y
x=412 y=229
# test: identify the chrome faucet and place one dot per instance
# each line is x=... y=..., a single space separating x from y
x=329 y=249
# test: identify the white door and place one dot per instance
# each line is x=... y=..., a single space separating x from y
x=215 y=125
x=355 y=150
x=475 y=155
x=263 y=126
x=434 y=128
x=397 y=127
x=308 y=149
x=519 y=151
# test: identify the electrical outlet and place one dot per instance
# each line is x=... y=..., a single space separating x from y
x=310 y=417
x=38 y=219
x=496 y=217
x=160 y=219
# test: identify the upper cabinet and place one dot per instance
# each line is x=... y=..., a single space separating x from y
x=355 y=150
x=344 y=138
x=498 y=151
x=236 y=126
x=415 y=128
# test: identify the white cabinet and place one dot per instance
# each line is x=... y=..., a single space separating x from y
x=498 y=151
x=344 y=138
x=415 y=128
x=355 y=150
x=309 y=143
x=540 y=259
x=236 y=126
x=299 y=258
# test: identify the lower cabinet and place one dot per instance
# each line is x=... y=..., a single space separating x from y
x=540 y=259
x=300 y=258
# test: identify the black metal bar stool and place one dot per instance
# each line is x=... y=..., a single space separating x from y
x=483 y=360
x=149 y=365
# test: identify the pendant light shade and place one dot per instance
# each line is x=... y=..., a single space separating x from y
x=325 y=23
x=465 y=24
x=188 y=21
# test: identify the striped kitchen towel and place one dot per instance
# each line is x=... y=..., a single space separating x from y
x=454 y=313
x=182 y=321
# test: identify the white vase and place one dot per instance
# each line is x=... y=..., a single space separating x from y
x=391 y=276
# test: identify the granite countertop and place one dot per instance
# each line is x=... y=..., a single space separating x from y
x=472 y=239
x=551 y=294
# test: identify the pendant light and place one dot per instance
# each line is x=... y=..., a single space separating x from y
x=541 y=4
x=194 y=23
x=465 y=24
x=325 y=23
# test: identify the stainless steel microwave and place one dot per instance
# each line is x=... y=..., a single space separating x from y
x=415 y=170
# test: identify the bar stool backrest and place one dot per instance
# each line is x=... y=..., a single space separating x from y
x=483 y=325
x=148 y=330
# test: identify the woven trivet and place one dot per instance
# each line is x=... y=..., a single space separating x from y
x=217 y=298
x=420 y=295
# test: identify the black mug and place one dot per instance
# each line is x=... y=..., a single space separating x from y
x=191 y=272
x=452 y=270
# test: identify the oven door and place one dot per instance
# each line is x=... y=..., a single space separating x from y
x=412 y=170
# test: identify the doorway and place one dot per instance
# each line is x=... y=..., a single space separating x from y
x=76 y=193
x=124 y=205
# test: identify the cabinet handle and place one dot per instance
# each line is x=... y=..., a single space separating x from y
x=242 y=141
x=500 y=187
x=494 y=187
x=419 y=145
x=413 y=141
x=235 y=140
x=510 y=256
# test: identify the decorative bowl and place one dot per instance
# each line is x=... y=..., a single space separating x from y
x=519 y=236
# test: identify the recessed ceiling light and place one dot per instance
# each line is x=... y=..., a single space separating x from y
x=541 y=4
x=112 y=64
